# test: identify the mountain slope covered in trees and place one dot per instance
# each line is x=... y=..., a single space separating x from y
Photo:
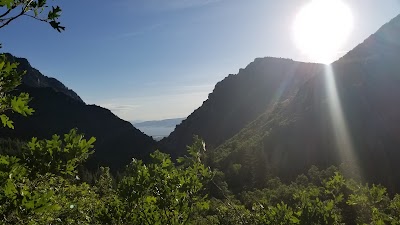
x=360 y=126
x=239 y=99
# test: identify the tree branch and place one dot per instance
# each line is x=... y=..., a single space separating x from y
x=9 y=20
x=36 y=18
x=12 y=18
x=6 y=13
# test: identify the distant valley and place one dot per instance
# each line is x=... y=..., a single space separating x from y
x=158 y=129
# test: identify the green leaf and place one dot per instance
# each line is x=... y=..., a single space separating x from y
x=56 y=25
x=6 y=121
x=19 y=104
x=8 y=3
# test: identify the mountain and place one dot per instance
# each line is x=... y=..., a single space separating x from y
x=349 y=112
x=239 y=99
x=158 y=129
x=34 y=78
x=59 y=109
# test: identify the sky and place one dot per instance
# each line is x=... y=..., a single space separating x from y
x=159 y=59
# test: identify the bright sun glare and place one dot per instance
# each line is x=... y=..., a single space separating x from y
x=321 y=28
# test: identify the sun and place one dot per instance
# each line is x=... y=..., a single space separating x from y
x=321 y=28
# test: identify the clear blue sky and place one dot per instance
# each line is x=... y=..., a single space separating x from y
x=156 y=59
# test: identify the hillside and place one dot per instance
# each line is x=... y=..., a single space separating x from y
x=59 y=109
x=307 y=130
x=239 y=99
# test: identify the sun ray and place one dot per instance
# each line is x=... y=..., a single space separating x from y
x=343 y=140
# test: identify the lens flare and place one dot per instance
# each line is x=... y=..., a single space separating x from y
x=321 y=28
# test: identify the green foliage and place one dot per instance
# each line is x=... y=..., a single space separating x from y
x=12 y=147
x=105 y=182
x=162 y=192
x=36 y=9
x=281 y=214
x=372 y=203
x=39 y=188
x=230 y=212
x=56 y=156
x=322 y=197
x=10 y=78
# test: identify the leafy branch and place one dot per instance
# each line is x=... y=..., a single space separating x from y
x=10 y=78
x=36 y=9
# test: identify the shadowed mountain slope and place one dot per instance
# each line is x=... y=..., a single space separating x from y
x=34 y=78
x=239 y=99
x=305 y=130
x=58 y=109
